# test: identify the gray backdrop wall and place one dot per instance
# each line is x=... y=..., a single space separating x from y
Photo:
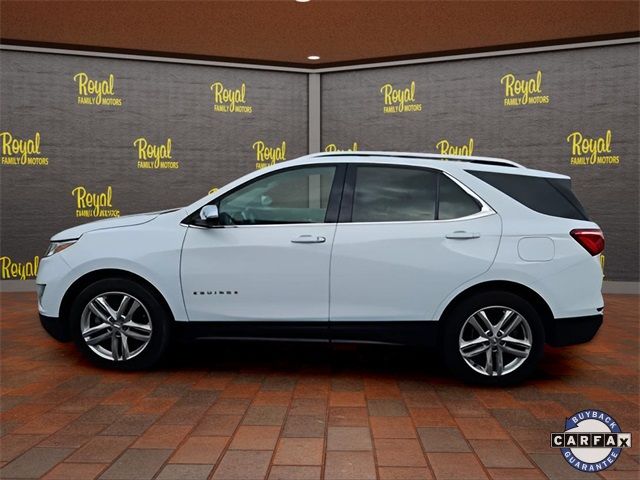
x=93 y=146
x=580 y=94
x=135 y=136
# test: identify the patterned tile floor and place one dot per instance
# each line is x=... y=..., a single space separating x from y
x=246 y=411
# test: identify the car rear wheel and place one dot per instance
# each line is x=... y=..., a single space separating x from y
x=493 y=338
x=119 y=323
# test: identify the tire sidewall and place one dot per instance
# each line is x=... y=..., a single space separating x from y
x=157 y=313
x=456 y=319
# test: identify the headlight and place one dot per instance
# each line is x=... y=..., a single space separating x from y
x=55 y=247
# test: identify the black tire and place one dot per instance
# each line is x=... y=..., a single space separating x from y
x=153 y=314
x=456 y=319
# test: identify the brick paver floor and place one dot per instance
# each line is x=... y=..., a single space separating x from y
x=298 y=411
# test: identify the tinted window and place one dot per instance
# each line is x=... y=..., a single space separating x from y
x=550 y=196
x=453 y=201
x=388 y=194
x=293 y=196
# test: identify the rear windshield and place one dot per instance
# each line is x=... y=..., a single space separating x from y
x=551 y=196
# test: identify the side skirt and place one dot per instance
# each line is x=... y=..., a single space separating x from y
x=394 y=333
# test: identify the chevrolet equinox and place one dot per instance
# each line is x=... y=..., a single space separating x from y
x=482 y=257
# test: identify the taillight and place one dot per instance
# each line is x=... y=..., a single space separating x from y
x=591 y=239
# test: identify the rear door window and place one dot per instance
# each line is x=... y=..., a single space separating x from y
x=393 y=194
x=404 y=194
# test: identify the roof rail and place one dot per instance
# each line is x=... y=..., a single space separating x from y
x=427 y=156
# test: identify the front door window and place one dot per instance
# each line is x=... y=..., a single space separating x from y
x=299 y=195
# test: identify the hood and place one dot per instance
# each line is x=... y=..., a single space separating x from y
x=125 y=221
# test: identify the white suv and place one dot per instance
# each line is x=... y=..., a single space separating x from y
x=480 y=256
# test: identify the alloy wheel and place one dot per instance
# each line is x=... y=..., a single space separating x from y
x=116 y=326
x=495 y=340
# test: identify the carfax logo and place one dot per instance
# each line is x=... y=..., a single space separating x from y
x=20 y=151
x=18 y=270
x=592 y=441
x=152 y=156
x=400 y=100
x=90 y=204
x=266 y=156
x=96 y=92
x=332 y=147
x=446 y=148
x=228 y=100
x=591 y=150
x=523 y=91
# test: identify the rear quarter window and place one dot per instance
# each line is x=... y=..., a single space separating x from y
x=551 y=196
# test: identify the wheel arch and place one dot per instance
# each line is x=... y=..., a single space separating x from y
x=533 y=297
x=88 y=278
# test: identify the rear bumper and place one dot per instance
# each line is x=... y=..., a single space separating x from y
x=571 y=331
x=56 y=328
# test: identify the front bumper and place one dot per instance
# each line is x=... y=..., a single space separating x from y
x=56 y=328
x=561 y=332
x=53 y=280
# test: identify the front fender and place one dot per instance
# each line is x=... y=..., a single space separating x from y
x=150 y=253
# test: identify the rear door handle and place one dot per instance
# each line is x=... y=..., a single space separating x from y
x=462 y=235
x=309 y=239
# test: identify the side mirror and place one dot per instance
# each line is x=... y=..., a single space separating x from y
x=209 y=213
x=208 y=217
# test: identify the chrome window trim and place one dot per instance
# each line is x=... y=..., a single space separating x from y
x=479 y=214
x=264 y=225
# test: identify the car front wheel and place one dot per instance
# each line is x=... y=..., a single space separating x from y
x=493 y=338
x=119 y=323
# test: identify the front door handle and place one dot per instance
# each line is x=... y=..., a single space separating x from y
x=462 y=235
x=309 y=239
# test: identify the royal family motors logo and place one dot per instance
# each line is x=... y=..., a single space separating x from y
x=152 y=156
x=18 y=270
x=523 y=91
x=400 y=100
x=267 y=156
x=332 y=147
x=447 y=148
x=591 y=150
x=21 y=151
x=96 y=92
x=592 y=441
x=228 y=100
x=90 y=204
